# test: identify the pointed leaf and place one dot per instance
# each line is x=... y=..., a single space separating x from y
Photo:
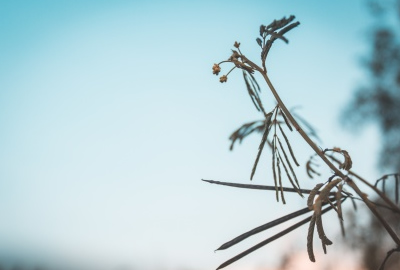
x=263 y=141
x=289 y=146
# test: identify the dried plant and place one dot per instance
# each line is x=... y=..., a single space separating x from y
x=325 y=196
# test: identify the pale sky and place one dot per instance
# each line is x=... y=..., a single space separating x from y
x=110 y=116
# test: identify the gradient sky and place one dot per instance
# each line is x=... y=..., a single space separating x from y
x=110 y=116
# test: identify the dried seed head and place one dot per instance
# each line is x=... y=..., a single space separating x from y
x=223 y=78
x=236 y=45
x=216 y=69
x=347 y=164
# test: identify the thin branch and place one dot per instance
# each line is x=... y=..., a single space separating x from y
x=387 y=257
x=371 y=207
x=392 y=205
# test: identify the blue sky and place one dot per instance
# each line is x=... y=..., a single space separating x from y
x=110 y=116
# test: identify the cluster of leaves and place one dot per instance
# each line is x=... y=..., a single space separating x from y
x=272 y=32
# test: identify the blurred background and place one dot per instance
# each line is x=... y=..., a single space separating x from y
x=110 y=117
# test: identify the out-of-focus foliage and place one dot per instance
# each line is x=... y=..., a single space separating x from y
x=378 y=101
x=378 y=98
x=372 y=240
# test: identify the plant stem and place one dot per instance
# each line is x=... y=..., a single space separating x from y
x=392 y=205
x=321 y=154
x=371 y=207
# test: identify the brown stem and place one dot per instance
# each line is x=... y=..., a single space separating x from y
x=392 y=205
x=371 y=207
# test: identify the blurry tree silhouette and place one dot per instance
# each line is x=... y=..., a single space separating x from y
x=378 y=101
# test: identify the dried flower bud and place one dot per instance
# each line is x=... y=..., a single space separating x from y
x=223 y=78
x=216 y=69
x=236 y=45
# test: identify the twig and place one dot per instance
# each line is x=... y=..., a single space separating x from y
x=392 y=205
x=387 y=257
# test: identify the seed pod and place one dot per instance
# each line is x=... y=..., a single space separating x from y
x=310 y=200
x=310 y=237
x=320 y=228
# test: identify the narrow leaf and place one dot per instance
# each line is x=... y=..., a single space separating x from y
x=288 y=162
x=289 y=146
x=255 y=83
x=288 y=28
x=259 y=187
x=278 y=36
x=289 y=177
x=263 y=141
x=310 y=170
x=251 y=92
x=354 y=203
x=286 y=121
x=262 y=30
x=259 y=42
x=245 y=130
x=280 y=180
x=273 y=168
x=310 y=237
